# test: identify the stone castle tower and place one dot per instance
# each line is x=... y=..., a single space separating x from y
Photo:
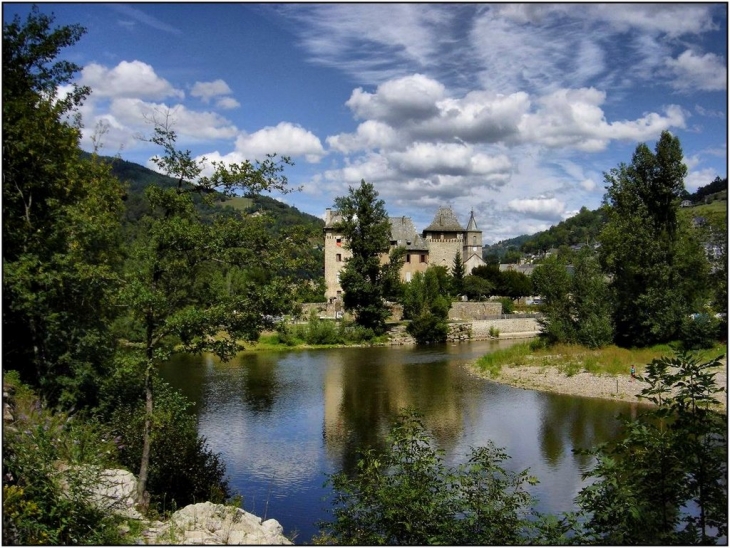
x=437 y=245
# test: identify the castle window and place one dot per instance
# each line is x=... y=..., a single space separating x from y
x=339 y=242
x=423 y=258
x=474 y=240
x=339 y=257
x=408 y=257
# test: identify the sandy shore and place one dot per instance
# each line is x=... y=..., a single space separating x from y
x=550 y=379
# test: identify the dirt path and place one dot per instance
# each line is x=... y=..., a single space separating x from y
x=550 y=379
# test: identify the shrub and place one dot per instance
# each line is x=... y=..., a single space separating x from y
x=407 y=495
x=51 y=461
x=183 y=470
x=428 y=328
x=508 y=305
x=699 y=331
x=664 y=481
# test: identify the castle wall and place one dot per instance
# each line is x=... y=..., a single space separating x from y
x=442 y=252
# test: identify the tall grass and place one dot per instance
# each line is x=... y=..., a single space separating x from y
x=572 y=359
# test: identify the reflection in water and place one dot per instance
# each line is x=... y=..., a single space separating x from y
x=283 y=421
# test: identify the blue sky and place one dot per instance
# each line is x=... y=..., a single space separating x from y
x=512 y=110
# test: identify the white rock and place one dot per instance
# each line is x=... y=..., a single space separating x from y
x=208 y=523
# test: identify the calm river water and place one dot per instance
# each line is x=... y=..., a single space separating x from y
x=284 y=420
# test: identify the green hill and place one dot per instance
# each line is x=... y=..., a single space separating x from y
x=138 y=177
x=709 y=203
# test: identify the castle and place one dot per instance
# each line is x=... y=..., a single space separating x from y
x=437 y=245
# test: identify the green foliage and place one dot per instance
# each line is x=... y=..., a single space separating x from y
x=553 y=283
x=577 y=309
x=323 y=332
x=428 y=328
x=717 y=185
x=426 y=305
x=366 y=282
x=665 y=480
x=657 y=268
x=476 y=288
x=408 y=496
x=457 y=274
x=514 y=284
x=61 y=239
x=582 y=228
x=51 y=463
x=700 y=331
x=182 y=470
x=508 y=305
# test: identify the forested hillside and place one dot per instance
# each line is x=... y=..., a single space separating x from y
x=138 y=177
x=709 y=201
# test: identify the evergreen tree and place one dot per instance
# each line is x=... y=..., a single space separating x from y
x=365 y=281
x=457 y=273
x=657 y=268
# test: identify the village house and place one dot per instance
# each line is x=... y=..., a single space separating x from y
x=436 y=245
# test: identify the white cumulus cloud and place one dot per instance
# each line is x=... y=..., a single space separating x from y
x=128 y=79
x=691 y=72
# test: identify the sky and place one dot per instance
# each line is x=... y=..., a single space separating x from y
x=514 y=111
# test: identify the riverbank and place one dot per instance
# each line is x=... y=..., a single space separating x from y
x=590 y=385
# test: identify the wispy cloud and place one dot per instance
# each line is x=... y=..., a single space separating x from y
x=141 y=17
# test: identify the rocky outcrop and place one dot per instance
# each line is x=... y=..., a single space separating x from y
x=206 y=523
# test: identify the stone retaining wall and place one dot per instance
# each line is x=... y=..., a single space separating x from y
x=470 y=310
x=511 y=328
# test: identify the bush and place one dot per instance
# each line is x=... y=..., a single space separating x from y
x=183 y=470
x=508 y=305
x=699 y=331
x=50 y=464
x=663 y=481
x=407 y=495
x=428 y=328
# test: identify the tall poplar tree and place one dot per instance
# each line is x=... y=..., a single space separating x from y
x=657 y=268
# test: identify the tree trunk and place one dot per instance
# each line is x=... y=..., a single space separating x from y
x=142 y=496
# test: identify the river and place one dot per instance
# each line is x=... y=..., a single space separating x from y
x=282 y=421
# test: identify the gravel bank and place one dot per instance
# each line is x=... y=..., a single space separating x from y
x=550 y=379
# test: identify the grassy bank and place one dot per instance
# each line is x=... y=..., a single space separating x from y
x=573 y=359
x=275 y=341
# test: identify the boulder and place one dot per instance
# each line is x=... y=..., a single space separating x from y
x=206 y=523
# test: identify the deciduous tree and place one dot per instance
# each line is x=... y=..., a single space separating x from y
x=366 y=229
x=61 y=247
x=168 y=288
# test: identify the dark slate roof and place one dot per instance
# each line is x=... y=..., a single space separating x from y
x=444 y=221
x=472 y=226
x=403 y=233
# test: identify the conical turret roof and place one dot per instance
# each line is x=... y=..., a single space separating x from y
x=472 y=226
